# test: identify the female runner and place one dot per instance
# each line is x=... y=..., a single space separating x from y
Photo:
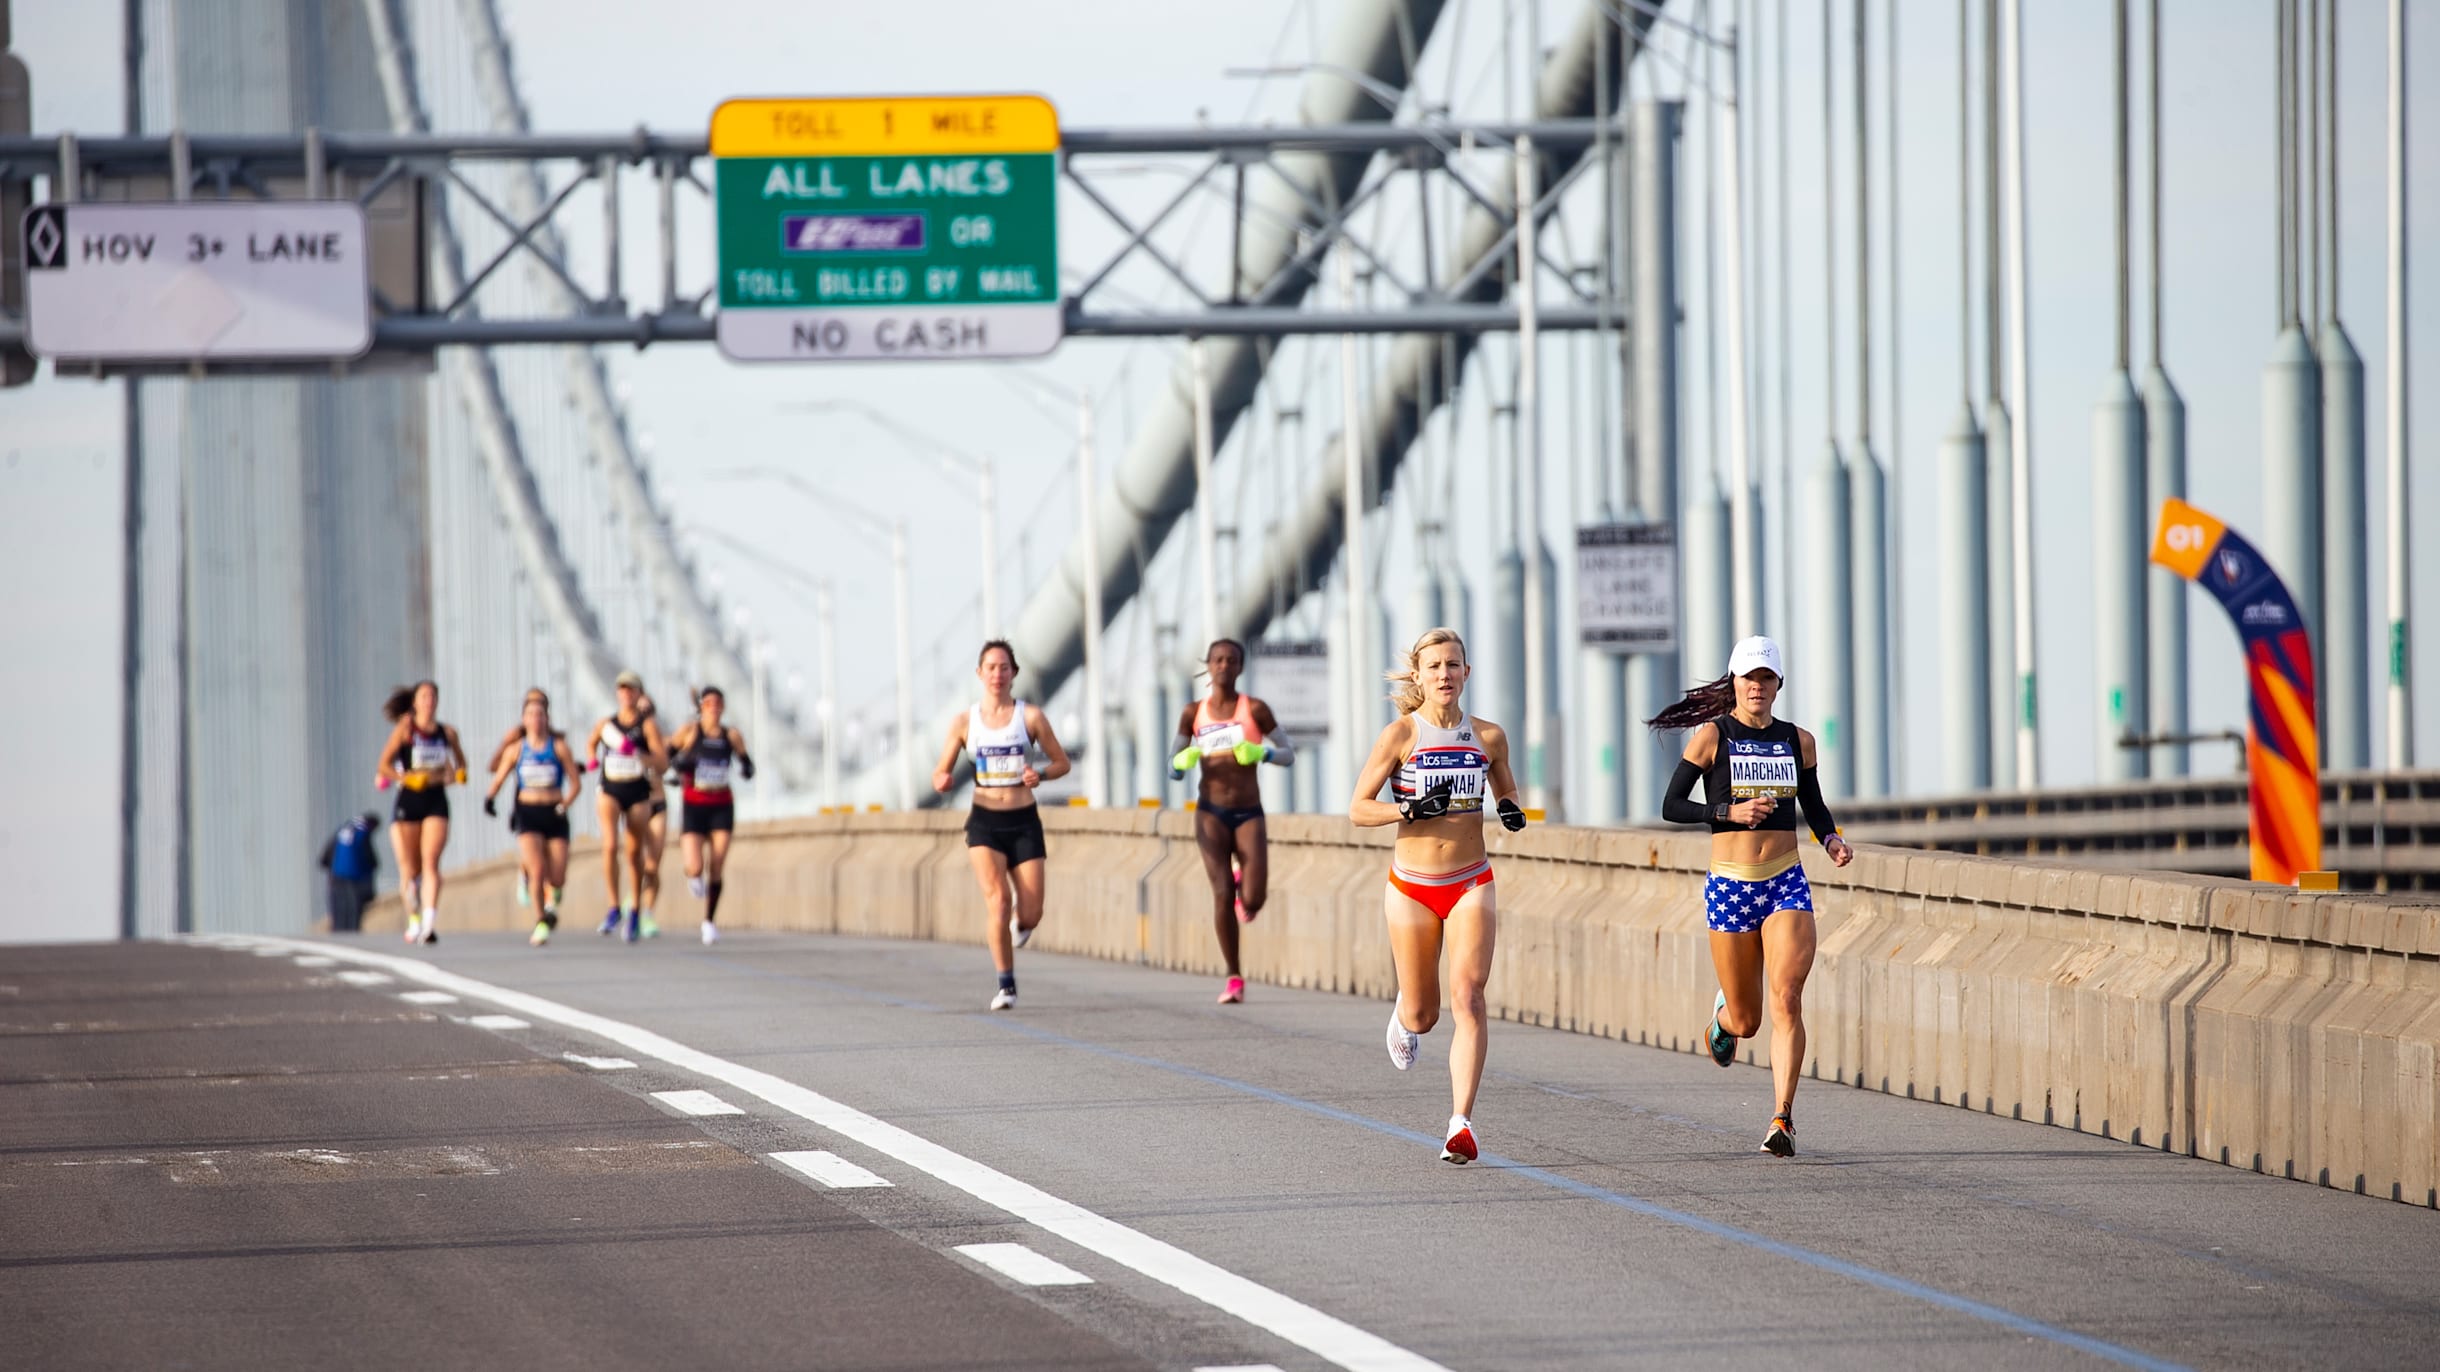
x=707 y=751
x=508 y=745
x=1004 y=827
x=1225 y=736
x=1440 y=891
x=547 y=784
x=421 y=757
x=626 y=746
x=1756 y=900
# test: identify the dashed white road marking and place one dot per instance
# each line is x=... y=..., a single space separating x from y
x=366 y=978
x=1324 y=1335
x=498 y=1022
x=427 y=997
x=599 y=1064
x=317 y=962
x=1243 y=1367
x=1019 y=1263
x=829 y=1169
x=696 y=1103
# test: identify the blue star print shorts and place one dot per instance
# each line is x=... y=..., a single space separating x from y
x=1731 y=906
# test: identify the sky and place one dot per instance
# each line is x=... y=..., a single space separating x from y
x=584 y=65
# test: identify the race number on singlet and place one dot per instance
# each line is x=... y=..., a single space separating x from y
x=622 y=766
x=712 y=775
x=1219 y=737
x=538 y=776
x=999 y=765
x=428 y=755
x=1761 y=769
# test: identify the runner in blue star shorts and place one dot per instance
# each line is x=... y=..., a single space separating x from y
x=1756 y=901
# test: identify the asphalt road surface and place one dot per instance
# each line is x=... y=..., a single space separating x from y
x=274 y=1154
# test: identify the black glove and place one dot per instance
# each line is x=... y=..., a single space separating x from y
x=491 y=806
x=745 y=766
x=1511 y=818
x=1431 y=804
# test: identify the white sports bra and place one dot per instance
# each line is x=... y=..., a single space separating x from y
x=999 y=754
x=1454 y=756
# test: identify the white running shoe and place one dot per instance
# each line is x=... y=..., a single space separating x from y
x=711 y=933
x=415 y=928
x=697 y=887
x=1460 y=1148
x=1019 y=937
x=1004 y=999
x=1404 y=1044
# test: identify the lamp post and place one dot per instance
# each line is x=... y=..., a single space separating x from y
x=893 y=532
x=956 y=460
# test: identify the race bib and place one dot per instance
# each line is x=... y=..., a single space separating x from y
x=1761 y=773
x=1220 y=737
x=711 y=776
x=1464 y=770
x=1002 y=765
x=538 y=776
x=622 y=767
x=428 y=757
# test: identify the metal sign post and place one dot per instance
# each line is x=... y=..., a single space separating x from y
x=895 y=228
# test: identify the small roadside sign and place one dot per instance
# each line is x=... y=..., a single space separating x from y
x=1627 y=586
x=917 y=227
x=198 y=280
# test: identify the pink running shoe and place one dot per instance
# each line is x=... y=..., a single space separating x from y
x=1234 y=992
x=1237 y=880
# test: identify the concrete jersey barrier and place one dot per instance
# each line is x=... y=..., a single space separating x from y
x=2289 y=1033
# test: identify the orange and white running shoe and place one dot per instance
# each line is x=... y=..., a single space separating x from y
x=1781 y=1141
x=1460 y=1147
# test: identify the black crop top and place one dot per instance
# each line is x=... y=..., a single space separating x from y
x=1754 y=762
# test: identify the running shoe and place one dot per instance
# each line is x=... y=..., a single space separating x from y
x=1460 y=1147
x=1723 y=1044
x=1018 y=936
x=525 y=890
x=1234 y=992
x=415 y=928
x=1004 y=999
x=711 y=933
x=698 y=887
x=633 y=926
x=432 y=933
x=1404 y=1044
x=1236 y=881
x=651 y=926
x=1781 y=1141
x=541 y=934
x=610 y=922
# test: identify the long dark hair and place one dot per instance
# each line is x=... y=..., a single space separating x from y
x=1700 y=705
x=401 y=700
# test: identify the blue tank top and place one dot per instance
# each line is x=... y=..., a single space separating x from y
x=539 y=769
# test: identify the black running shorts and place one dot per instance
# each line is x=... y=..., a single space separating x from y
x=543 y=821
x=414 y=807
x=1014 y=834
x=699 y=818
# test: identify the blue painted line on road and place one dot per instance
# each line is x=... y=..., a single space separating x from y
x=1886 y=1281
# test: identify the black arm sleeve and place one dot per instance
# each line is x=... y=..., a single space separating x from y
x=1679 y=806
x=1817 y=810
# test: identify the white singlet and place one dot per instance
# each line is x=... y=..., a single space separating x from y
x=1454 y=756
x=999 y=754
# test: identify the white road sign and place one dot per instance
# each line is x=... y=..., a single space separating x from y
x=1627 y=586
x=863 y=333
x=1293 y=678
x=198 y=280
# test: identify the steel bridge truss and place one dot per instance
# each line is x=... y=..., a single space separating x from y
x=1423 y=159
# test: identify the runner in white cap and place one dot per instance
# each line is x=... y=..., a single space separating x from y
x=1756 y=900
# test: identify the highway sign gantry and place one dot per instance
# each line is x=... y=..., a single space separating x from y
x=216 y=280
x=887 y=228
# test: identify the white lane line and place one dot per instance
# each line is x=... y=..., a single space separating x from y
x=829 y=1169
x=1242 y=1367
x=365 y=978
x=317 y=962
x=1019 y=1263
x=599 y=1064
x=1326 y=1336
x=696 y=1103
x=427 y=997
x=498 y=1022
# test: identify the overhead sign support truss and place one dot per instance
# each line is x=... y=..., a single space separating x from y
x=1214 y=162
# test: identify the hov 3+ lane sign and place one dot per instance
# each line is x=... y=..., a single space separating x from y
x=198 y=280
x=914 y=227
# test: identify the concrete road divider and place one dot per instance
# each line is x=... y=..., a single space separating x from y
x=2289 y=1033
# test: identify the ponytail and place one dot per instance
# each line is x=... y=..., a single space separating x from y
x=1406 y=693
x=1700 y=705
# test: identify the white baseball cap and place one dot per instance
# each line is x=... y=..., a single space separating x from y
x=1755 y=654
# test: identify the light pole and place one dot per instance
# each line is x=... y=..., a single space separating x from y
x=957 y=460
x=894 y=532
x=1096 y=722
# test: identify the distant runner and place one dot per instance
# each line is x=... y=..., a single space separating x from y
x=547 y=784
x=707 y=752
x=421 y=758
x=1224 y=737
x=1004 y=828
x=626 y=746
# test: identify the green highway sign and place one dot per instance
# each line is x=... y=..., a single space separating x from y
x=918 y=227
